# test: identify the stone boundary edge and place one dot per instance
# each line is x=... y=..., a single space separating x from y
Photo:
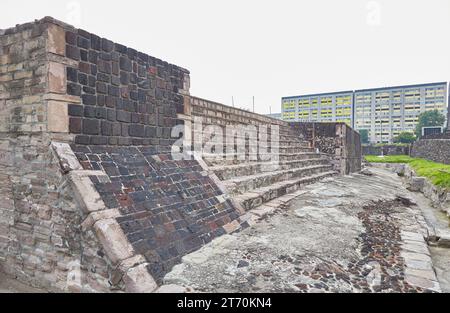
x=439 y=197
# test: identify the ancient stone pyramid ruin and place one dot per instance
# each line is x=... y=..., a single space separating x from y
x=91 y=198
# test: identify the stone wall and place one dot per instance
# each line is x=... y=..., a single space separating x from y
x=445 y=135
x=40 y=241
x=167 y=208
x=119 y=213
x=437 y=150
x=90 y=198
x=127 y=97
x=385 y=150
x=337 y=140
x=219 y=114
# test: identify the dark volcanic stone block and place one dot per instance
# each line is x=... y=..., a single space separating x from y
x=83 y=42
x=72 y=74
x=83 y=79
x=71 y=38
x=107 y=45
x=96 y=43
x=91 y=126
x=73 y=52
x=75 y=110
x=89 y=112
x=123 y=116
x=137 y=130
x=98 y=140
x=82 y=140
x=75 y=125
x=73 y=89
x=104 y=66
x=89 y=99
x=125 y=64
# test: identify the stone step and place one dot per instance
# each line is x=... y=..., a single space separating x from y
x=281 y=138
x=284 y=146
x=244 y=184
x=226 y=159
x=257 y=197
x=267 y=150
x=252 y=168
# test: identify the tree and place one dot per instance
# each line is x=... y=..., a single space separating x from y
x=429 y=118
x=364 y=133
x=405 y=137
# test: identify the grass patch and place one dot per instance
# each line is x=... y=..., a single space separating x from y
x=389 y=159
x=438 y=173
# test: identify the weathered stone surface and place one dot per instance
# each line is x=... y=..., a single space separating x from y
x=138 y=280
x=171 y=289
x=56 y=39
x=57 y=78
x=422 y=273
x=160 y=198
x=416 y=248
x=437 y=150
x=67 y=158
x=423 y=283
x=351 y=244
x=416 y=183
x=117 y=107
x=62 y=98
x=85 y=193
x=57 y=117
x=94 y=217
x=113 y=240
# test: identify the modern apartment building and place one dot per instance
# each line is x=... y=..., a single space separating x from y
x=386 y=112
x=448 y=111
x=383 y=112
x=324 y=107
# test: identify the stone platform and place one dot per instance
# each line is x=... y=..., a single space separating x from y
x=355 y=233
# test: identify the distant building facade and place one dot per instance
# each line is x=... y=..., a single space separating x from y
x=386 y=112
x=383 y=112
x=325 y=107
x=448 y=112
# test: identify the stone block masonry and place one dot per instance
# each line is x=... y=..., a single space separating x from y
x=90 y=198
x=437 y=150
x=127 y=97
x=119 y=213
x=338 y=141
x=386 y=150
x=168 y=208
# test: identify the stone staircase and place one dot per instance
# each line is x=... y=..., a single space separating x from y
x=258 y=179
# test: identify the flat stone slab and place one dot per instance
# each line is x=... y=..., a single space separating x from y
x=416 y=247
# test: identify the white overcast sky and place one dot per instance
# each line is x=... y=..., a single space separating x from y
x=269 y=49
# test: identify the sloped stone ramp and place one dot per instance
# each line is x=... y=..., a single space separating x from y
x=146 y=209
